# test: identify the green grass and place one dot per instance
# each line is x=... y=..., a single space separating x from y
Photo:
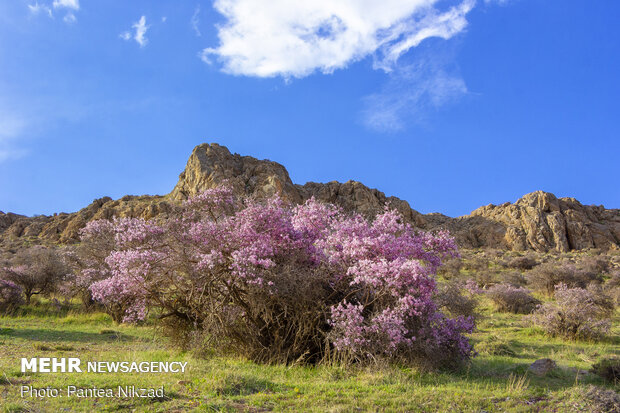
x=496 y=380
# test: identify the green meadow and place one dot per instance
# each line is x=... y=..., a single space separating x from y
x=497 y=380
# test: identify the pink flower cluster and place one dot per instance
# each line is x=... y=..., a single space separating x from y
x=379 y=272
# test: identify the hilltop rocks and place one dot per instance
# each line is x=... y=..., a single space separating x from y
x=538 y=221
x=64 y=228
x=210 y=165
x=542 y=222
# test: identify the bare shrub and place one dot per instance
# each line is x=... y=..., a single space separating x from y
x=493 y=253
x=526 y=262
x=37 y=270
x=612 y=287
x=595 y=265
x=575 y=314
x=487 y=278
x=456 y=300
x=451 y=268
x=547 y=276
x=601 y=298
x=10 y=296
x=476 y=263
x=508 y=298
x=514 y=278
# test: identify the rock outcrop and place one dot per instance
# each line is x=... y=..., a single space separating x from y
x=541 y=222
x=64 y=228
x=211 y=165
x=537 y=221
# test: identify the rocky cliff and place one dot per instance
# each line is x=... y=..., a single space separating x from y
x=538 y=221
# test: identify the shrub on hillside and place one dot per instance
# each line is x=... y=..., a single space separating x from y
x=575 y=314
x=594 y=265
x=451 y=268
x=514 y=278
x=476 y=263
x=37 y=270
x=526 y=262
x=601 y=298
x=612 y=287
x=10 y=296
x=512 y=299
x=547 y=276
x=487 y=278
x=456 y=299
x=277 y=283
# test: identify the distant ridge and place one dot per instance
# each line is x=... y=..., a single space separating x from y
x=538 y=221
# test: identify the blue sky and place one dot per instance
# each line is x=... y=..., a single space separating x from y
x=448 y=104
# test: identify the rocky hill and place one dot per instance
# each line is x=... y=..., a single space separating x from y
x=538 y=221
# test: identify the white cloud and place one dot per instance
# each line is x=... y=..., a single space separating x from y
x=140 y=28
x=71 y=5
x=69 y=18
x=294 y=39
x=163 y=19
x=37 y=8
x=11 y=127
x=195 y=21
x=412 y=92
x=67 y=4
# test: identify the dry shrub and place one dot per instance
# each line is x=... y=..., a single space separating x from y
x=451 y=268
x=526 y=262
x=612 y=287
x=575 y=314
x=454 y=298
x=514 y=278
x=601 y=298
x=476 y=263
x=485 y=279
x=508 y=298
x=494 y=253
x=547 y=276
x=37 y=270
x=595 y=265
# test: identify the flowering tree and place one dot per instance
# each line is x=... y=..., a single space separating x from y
x=282 y=284
x=36 y=270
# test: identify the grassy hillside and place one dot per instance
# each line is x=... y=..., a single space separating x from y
x=496 y=380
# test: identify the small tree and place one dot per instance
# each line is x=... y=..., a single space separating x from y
x=37 y=270
x=88 y=258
